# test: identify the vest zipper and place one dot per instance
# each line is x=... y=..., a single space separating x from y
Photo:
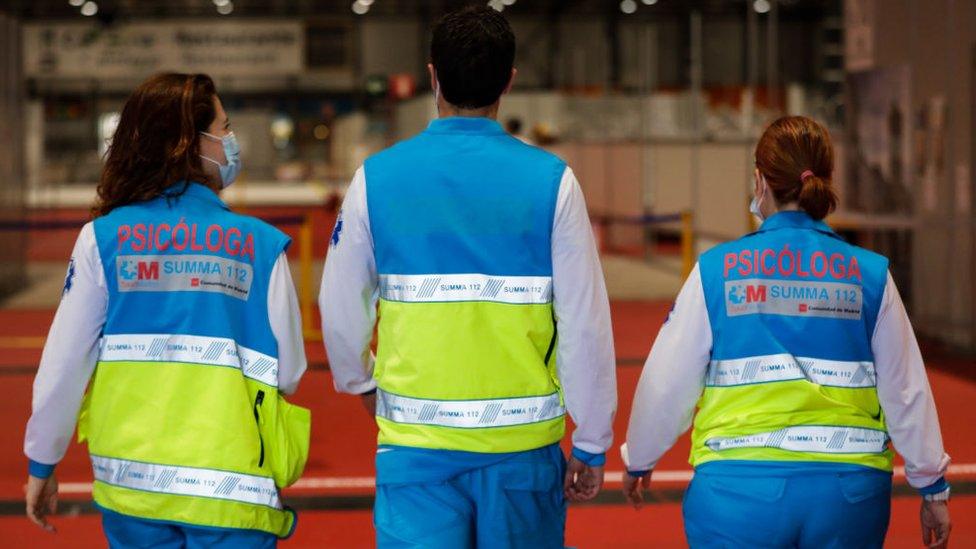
x=552 y=342
x=257 y=419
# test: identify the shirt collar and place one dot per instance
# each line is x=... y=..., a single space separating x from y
x=195 y=190
x=794 y=220
x=465 y=124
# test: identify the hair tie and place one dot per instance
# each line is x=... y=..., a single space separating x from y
x=805 y=175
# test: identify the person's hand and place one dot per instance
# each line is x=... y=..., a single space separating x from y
x=935 y=524
x=42 y=500
x=634 y=488
x=369 y=402
x=582 y=482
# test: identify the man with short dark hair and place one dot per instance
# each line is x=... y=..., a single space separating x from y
x=478 y=248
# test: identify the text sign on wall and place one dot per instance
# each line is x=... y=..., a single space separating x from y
x=139 y=49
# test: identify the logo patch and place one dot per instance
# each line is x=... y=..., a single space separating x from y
x=337 y=231
x=793 y=298
x=176 y=273
x=69 y=277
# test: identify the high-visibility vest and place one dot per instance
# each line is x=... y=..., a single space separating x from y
x=183 y=418
x=461 y=218
x=792 y=309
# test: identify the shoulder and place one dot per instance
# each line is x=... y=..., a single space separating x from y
x=397 y=152
x=717 y=252
x=259 y=226
x=532 y=152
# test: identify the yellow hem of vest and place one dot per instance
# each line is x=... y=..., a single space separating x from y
x=499 y=440
x=882 y=462
x=190 y=510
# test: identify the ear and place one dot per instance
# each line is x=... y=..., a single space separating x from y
x=511 y=81
x=758 y=187
x=433 y=76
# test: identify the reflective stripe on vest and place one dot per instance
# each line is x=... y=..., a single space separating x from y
x=186 y=481
x=809 y=438
x=213 y=351
x=466 y=287
x=468 y=414
x=786 y=367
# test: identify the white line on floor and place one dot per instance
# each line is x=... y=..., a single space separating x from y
x=611 y=477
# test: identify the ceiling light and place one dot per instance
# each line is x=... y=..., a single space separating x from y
x=496 y=5
x=226 y=9
x=628 y=6
x=220 y=3
x=649 y=2
x=508 y=2
x=761 y=6
x=76 y=3
x=89 y=8
x=359 y=8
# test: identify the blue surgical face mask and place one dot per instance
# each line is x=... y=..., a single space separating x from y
x=232 y=151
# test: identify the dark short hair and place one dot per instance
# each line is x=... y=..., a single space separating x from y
x=472 y=50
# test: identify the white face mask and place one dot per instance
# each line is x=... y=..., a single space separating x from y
x=754 y=206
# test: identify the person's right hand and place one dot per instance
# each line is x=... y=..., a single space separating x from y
x=369 y=402
x=634 y=488
x=935 y=524
x=582 y=482
x=42 y=500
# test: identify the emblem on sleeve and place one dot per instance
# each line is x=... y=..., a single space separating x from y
x=69 y=277
x=337 y=231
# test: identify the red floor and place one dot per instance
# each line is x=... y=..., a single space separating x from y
x=588 y=527
x=342 y=454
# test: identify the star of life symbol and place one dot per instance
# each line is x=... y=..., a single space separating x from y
x=126 y=271
x=337 y=230
x=735 y=295
x=69 y=277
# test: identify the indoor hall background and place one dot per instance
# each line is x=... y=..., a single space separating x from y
x=657 y=105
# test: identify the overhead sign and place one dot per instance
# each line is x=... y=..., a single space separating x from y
x=228 y=48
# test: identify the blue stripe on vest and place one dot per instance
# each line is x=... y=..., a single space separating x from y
x=793 y=287
x=463 y=197
x=211 y=280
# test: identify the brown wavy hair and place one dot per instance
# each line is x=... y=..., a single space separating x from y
x=156 y=142
x=791 y=146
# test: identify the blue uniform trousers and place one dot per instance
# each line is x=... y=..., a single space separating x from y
x=763 y=504
x=127 y=532
x=435 y=499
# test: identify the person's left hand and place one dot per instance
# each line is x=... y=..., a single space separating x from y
x=369 y=402
x=42 y=500
x=582 y=482
x=634 y=488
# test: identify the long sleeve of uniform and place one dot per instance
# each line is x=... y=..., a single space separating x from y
x=584 y=349
x=672 y=380
x=69 y=356
x=905 y=395
x=285 y=317
x=350 y=288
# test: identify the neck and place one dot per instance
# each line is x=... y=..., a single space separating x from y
x=446 y=110
x=790 y=207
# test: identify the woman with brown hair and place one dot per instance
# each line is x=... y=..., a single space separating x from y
x=180 y=317
x=797 y=350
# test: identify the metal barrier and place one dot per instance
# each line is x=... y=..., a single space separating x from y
x=686 y=232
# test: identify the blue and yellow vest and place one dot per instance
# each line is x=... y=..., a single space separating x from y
x=183 y=418
x=461 y=218
x=792 y=309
